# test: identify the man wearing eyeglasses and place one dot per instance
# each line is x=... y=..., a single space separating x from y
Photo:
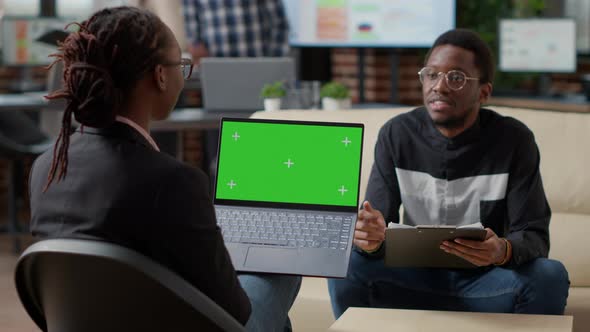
x=452 y=162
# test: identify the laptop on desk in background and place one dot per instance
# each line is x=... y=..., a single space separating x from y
x=286 y=196
x=234 y=84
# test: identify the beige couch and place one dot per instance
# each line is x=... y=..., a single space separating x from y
x=564 y=142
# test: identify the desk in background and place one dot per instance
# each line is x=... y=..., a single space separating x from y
x=194 y=118
x=50 y=121
x=25 y=102
x=179 y=119
x=184 y=119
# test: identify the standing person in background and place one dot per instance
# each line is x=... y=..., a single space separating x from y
x=234 y=28
x=169 y=12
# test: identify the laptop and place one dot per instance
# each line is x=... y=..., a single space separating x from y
x=234 y=84
x=286 y=195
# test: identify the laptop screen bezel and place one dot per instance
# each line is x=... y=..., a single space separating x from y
x=294 y=206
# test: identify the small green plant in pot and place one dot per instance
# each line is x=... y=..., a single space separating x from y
x=335 y=96
x=272 y=94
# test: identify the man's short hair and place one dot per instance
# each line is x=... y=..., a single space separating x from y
x=469 y=40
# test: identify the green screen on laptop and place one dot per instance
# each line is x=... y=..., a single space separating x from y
x=288 y=162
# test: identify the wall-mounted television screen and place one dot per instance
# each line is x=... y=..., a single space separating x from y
x=368 y=23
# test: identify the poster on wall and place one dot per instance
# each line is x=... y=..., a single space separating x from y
x=538 y=45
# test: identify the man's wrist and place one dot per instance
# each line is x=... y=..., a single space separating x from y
x=373 y=250
x=507 y=253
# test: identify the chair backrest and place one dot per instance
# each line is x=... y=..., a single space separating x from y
x=69 y=285
x=19 y=135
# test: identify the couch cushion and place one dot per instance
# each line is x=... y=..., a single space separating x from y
x=570 y=245
x=562 y=139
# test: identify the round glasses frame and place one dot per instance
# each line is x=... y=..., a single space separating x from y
x=186 y=66
x=450 y=78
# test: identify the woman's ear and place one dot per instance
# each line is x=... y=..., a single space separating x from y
x=160 y=78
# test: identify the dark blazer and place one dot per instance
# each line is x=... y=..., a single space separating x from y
x=119 y=189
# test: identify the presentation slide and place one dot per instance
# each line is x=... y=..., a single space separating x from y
x=539 y=45
x=370 y=23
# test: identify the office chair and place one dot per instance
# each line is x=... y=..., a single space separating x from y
x=69 y=285
x=20 y=137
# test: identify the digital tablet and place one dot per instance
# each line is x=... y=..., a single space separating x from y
x=420 y=246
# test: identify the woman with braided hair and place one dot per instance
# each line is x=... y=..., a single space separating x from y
x=108 y=181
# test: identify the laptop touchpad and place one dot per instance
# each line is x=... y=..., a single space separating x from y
x=276 y=259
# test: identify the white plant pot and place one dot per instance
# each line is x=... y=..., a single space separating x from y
x=331 y=104
x=272 y=104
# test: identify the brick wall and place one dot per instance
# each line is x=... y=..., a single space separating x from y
x=571 y=83
x=8 y=76
x=11 y=75
x=192 y=140
x=378 y=75
x=409 y=87
x=3 y=186
x=23 y=211
x=377 y=70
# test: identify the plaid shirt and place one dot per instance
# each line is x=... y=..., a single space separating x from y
x=240 y=28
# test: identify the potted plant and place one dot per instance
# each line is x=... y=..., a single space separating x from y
x=272 y=94
x=335 y=96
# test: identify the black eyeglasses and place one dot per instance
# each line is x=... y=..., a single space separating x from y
x=455 y=79
x=186 y=66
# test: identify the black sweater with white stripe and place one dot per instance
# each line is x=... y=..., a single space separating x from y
x=489 y=173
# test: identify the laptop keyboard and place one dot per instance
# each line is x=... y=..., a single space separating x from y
x=292 y=229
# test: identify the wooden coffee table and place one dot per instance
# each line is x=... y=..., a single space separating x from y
x=370 y=319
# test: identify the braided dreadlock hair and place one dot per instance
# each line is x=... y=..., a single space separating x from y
x=103 y=61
